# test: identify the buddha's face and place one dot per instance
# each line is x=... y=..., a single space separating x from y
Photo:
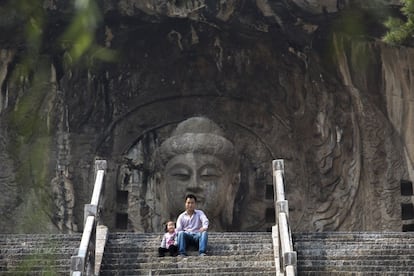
x=205 y=176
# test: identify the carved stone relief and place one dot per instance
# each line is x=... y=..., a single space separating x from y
x=232 y=185
x=261 y=83
x=328 y=147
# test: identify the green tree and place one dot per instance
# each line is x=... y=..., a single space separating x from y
x=64 y=37
x=400 y=31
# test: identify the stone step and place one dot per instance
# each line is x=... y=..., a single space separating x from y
x=208 y=269
x=345 y=253
x=354 y=239
x=320 y=271
x=219 y=249
x=31 y=272
x=383 y=244
x=352 y=236
x=153 y=257
x=210 y=233
x=213 y=235
x=50 y=246
x=7 y=238
x=147 y=256
x=192 y=272
x=351 y=255
x=37 y=253
x=36 y=266
x=222 y=243
x=363 y=270
x=173 y=262
x=249 y=237
x=49 y=260
x=250 y=240
x=356 y=263
x=32 y=267
x=67 y=248
x=57 y=258
x=211 y=238
x=137 y=248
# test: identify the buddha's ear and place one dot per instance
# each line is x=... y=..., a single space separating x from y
x=230 y=198
x=158 y=178
x=236 y=180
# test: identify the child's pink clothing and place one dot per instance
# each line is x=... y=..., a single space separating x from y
x=169 y=239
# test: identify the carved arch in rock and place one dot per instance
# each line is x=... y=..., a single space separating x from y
x=259 y=132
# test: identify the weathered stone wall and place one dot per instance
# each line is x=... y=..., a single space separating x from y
x=281 y=85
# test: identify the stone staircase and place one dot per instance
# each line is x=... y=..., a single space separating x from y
x=229 y=253
x=37 y=254
x=355 y=253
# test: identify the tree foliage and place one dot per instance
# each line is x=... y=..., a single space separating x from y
x=75 y=41
x=44 y=41
x=401 y=31
x=79 y=39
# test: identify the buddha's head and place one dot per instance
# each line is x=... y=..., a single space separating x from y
x=198 y=159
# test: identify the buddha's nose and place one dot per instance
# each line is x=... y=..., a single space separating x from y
x=194 y=185
x=194 y=181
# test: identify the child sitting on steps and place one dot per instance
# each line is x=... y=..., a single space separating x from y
x=169 y=240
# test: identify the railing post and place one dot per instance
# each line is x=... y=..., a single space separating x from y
x=282 y=206
x=278 y=170
x=84 y=262
x=100 y=165
x=287 y=258
x=100 y=169
x=76 y=265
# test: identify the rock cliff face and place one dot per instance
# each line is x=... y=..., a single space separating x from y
x=305 y=81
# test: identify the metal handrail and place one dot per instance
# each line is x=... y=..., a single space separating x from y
x=84 y=262
x=287 y=257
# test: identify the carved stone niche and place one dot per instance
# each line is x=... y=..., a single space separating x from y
x=231 y=155
x=331 y=182
x=230 y=185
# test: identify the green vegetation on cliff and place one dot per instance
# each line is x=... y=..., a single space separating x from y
x=44 y=45
x=401 y=31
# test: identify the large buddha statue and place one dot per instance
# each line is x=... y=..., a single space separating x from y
x=198 y=159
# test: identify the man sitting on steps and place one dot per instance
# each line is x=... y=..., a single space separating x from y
x=192 y=227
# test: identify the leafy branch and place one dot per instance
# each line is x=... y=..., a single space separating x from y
x=400 y=31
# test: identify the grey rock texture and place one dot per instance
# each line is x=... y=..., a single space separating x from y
x=284 y=79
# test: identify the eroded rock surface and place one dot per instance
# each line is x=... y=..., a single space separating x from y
x=279 y=77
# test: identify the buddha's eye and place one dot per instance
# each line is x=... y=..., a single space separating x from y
x=210 y=173
x=180 y=174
